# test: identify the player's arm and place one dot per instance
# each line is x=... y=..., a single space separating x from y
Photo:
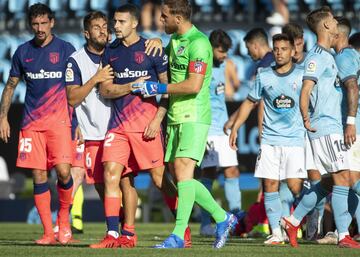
x=244 y=111
x=76 y=93
x=154 y=126
x=199 y=56
x=110 y=90
x=306 y=89
x=230 y=122
x=5 y=106
x=352 y=91
x=232 y=81
x=260 y=117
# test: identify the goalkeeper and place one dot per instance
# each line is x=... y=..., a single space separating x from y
x=189 y=117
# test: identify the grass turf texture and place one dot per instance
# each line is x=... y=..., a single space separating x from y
x=17 y=239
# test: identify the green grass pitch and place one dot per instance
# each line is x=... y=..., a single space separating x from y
x=17 y=239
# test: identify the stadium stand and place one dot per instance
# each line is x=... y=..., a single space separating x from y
x=237 y=16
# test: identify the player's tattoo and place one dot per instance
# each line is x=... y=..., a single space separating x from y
x=352 y=96
x=7 y=95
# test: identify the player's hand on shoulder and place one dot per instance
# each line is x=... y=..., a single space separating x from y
x=4 y=129
x=153 y=47
x=104 y=73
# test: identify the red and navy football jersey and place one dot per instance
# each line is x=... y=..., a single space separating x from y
x=133 y=113
x=43 y=70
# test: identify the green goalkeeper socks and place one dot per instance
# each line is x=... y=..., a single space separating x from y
x=208 y=203
x=191 y=191
x=186 y=199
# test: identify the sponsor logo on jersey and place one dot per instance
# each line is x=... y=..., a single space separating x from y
x=178 y=66
x=165 y=59
x=29 y=59
x=44 y=75
x=337 y=84
x=112 y=59
x=180 y=50
x=311 y=67
x=131 y=74
x=69 y=75
x=220 y=89
x=283 y=103
x=139 y=57
x=54 y=57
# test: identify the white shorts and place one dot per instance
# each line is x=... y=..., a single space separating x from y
x=354 y=155
x=330 y=153
x=280 y=162
x=309 y=155
x=218 y=153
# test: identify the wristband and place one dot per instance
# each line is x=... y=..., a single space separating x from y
x=350 y=120
x=162 y=88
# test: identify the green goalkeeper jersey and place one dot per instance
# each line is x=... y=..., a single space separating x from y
x=190 y=53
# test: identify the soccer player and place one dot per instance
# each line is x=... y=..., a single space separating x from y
x=45 y=138
x=281 y=155
x=134 y=140
x=82 y=76
x=314 y=218
x=348 y=62
x=218 y=153
x=322 y=90
x=189 y=118
x=257 y=44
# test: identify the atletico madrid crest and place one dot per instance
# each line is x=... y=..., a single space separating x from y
x=139 y=57
x=54 y=57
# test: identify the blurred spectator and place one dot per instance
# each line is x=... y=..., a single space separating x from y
x=280 y=16
x=150 y=13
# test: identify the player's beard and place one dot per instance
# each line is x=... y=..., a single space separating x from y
x=98 y=45
x=217 y=62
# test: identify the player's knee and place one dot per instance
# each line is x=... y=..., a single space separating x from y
x=271 y=185
x=232 y=172
x=157 y=178
x=39 y=176
x=111 y=176
x=342 y=178
x=295 y=188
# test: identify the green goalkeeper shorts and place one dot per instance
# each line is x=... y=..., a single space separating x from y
x=186 y=140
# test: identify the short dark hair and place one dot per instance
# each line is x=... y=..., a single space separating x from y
x=219 y=38
x=258 y=34
x=179 y=7
x=283 y=37
x=93 y=16
x=294 y=30
x=354 y=40
x=344 y=23
x=130 y=8
x=315 y=17
x=39 y=9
